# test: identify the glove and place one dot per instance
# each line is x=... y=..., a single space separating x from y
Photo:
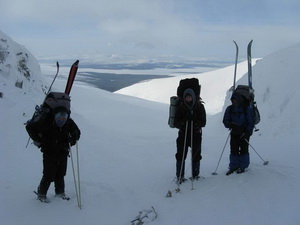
x=72 y=141
x=74 y=137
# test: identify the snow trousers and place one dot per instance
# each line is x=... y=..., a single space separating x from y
x=239 y=152
x=54 y=170
x=182 y=151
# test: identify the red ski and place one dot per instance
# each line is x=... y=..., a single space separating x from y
x=71 y=78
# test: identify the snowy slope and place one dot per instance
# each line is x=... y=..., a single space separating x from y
x=213 y=92
x=127 y=161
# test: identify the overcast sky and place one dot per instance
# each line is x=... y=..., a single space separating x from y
x=151 y=28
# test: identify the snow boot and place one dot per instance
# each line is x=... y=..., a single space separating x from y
x=230 y=171
x=239 y=171
x=180 y=180
x=43 y=198
x=63 y=196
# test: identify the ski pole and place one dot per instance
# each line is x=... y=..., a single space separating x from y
x=183 y=156
x=169 y=193
x=192 y=155
x=79 y=191
x=75 y=183
x=215 y=173
x=265 y=162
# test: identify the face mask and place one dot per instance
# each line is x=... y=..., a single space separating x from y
x=61 y=118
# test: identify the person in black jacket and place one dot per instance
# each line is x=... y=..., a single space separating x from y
x=189 y=111
x=55 y=134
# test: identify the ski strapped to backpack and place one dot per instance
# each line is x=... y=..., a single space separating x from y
x=184 y=84
x=71 y=78
x=235 y=65
x=247 y=91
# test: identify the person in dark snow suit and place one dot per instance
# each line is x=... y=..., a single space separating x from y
x=190 y=108
x=54 y=134
x=238 y=118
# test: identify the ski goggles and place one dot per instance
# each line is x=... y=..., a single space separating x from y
x=61 y=118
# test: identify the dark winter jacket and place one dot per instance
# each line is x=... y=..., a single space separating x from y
x=239 y=118
x=54 y=141
x=195 y=112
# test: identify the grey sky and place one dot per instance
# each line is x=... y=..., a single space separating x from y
x=151 y=28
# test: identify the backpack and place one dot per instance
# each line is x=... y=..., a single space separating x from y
x=192 y=83
x=184 y=84
x=52 y=101
x=247 y=94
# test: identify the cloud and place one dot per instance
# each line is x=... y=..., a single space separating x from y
x=191 y=28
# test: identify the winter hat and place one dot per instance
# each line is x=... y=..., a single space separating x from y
x=238 y=98
x=234 y=96
x=61 y=115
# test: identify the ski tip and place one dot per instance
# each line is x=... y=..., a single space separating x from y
x=250 y=43
x=76 y=62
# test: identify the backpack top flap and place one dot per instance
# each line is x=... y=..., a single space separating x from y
x=192 y=83
x=245 y=91
x=58 y=99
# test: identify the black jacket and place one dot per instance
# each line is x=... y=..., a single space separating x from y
x=53 y=140
x=183 y=114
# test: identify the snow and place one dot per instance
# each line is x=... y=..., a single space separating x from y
x=126 y=152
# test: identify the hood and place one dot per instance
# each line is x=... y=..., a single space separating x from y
x=238 y=97
x=190 y=92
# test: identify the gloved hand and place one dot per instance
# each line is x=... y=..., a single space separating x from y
x=74 y=137
x=72 y=141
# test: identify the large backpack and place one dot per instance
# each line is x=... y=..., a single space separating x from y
x=192 y=83
x=184 y=84
x=52 y=101
x=247 y=94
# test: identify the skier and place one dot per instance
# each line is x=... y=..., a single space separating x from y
x=238 y=118
x=54 y=134
x=189 y=111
